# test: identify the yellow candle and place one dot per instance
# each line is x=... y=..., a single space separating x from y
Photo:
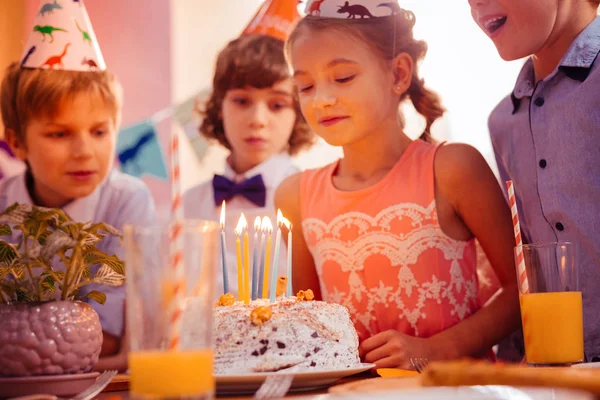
x=246 y=268
x=238 y=248
x=265 y=292
x=239 y=230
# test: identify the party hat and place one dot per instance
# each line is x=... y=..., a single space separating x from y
x=62 y=38
x=352 y=9
x=274 y=18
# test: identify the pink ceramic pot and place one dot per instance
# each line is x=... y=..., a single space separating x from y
x=58 y=337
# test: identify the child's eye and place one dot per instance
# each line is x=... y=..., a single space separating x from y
x=99 y=132
x=240 y=101
x=278 y=106
x=304 y=89
x=56 y=135
x=345 y=79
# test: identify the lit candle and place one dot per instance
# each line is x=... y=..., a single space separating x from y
x=264 y=271
x=289 y=260
x=224 y=251
x=276 y=258
x=246 y=266
x=255 y=252
x=239 y=230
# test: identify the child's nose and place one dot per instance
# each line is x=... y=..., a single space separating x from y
x=82 y=146
x=478 y=3
x=258 y=115
x=324 y=98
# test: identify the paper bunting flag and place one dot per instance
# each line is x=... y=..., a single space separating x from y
x=139 y=151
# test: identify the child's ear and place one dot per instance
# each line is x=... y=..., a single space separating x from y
x=16 y=145
x=402 y=68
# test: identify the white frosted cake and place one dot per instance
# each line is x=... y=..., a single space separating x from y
x=293 y=334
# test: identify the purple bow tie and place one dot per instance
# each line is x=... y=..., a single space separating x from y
x=4 y=146
x=253 y=189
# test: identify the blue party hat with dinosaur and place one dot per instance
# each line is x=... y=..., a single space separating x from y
x=352 y=9
x=62 y=37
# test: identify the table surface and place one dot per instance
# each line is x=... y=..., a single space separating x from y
x=119 y=388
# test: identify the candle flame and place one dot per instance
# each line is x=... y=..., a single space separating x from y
x=257 y=224
x=266 y=226
x=241 y=225
x=282 y=221
x=222 y=219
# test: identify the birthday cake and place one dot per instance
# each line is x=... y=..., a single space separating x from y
x=293 y=333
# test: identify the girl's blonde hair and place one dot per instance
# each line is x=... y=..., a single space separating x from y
x=388 y=37
x=32 y=93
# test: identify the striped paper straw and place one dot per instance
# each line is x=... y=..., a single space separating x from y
x=176 y=249
x=521 y=272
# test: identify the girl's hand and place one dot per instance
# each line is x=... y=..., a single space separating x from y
x=392 y=349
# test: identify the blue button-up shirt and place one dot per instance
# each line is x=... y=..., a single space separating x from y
x=546 y=138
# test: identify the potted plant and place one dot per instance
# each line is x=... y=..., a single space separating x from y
x=46 y=327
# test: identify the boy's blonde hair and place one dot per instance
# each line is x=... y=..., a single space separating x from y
x=32 y=93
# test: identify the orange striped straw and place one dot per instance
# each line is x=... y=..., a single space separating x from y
x=176 y=249
x=521 y=272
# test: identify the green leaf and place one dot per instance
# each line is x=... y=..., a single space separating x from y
x=97 y=257
x=107 y=276
x=8 y=290
x=4 y=273
x=16 y=214
x=99 y=297
x=86 y=274
x=24 y=296
x=48 y=285
x=102 y=227
x=8 y=253
x=5 y=230
x=18 y=271
x=43 y=237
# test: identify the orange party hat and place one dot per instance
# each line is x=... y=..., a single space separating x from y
x=275 y=18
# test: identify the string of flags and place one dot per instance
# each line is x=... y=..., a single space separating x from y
x=138 y=148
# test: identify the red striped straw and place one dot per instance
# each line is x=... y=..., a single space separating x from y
x=521 y=272
x=176 y=249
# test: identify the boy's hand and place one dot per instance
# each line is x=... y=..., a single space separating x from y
x=110 y=344
x=392 y=349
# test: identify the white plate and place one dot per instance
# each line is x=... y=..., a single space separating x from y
x=468 y=393
x=303 y=381
x=586 y=365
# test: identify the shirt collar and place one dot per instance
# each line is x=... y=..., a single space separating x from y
x=79 y=210
x=273 y=170
x=575 y=64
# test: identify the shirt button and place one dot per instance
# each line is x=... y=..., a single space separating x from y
x=543 y=163
x=559 y=226
x=539 y=101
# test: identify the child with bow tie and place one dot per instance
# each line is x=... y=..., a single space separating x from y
x=253 y=111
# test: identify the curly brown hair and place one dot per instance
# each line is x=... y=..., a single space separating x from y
x=388 y=37
x=257 y=61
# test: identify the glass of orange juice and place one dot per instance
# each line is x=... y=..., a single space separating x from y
x=551 y=310
x=170 y=281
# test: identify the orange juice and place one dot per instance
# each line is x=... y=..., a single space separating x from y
x=552 y=327
x=163 y=374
